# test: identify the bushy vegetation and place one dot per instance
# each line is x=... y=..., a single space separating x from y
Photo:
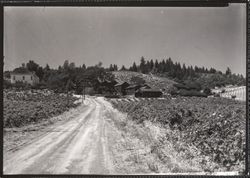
x=65 y=78
x=28 y=107
x=215 y=127
x=70 y=77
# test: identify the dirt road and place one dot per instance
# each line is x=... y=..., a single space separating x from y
x=78 y=146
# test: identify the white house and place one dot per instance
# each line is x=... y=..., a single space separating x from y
x=25 y=76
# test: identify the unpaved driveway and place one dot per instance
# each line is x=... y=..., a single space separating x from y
x=78 y=146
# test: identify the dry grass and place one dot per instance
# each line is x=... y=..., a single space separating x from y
x=144 y=149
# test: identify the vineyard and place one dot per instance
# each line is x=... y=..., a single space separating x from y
x=29 y=107
x=209 y=130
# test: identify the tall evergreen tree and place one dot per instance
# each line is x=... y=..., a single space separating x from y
x=115 y=67
x=134 y=67
x=66 y=65
x=151 y=64
x=143 y=65
x=228 y=71
x=156 y=65
x=83 y=66
x=123 y=68
x=111 y=68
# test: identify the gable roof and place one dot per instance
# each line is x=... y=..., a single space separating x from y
x=150 y=90
x=123 y=83
x=22 y=70
x=133 y=86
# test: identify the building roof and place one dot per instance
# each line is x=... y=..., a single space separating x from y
x=123 y=83
x=132 y=86
x=22 y=70
x=149 y=90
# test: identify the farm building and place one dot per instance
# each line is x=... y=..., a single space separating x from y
x=121 y=88
x=148 y=93
x=130 y=90
x=145 y=86
x=23 y=75
x=105 y=86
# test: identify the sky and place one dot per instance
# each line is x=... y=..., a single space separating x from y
x=203 y=36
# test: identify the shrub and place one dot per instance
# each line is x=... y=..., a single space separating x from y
x=207 y=91
x=184 y=92
x=6 y=84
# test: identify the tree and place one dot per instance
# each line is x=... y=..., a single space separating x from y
x=228 y=71
x=111 y=68
x=99 y=64
x=83 y=66
x=212 y=70
x=147 y=67
x=115 y=67
x=143 y=65
x=196 y=69
x=32 y=66
x=40 y=72
x=184 y=69
x=134 y=67
x=151 y=64
x=47 y=67
x=156 y=64
x=66 y=65
x=123 y=68
x=72 y=66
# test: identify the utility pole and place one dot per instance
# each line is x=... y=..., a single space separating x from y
x=67 y=89
x=84 y=87
x=83 y=93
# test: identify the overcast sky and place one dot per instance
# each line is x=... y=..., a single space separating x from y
x=202 y=36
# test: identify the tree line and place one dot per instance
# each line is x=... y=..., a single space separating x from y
x=170 y=68
x=184 y=74
x=68 y=76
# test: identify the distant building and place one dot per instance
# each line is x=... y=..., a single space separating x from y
x=148 y=93
x=106 y=86
x=23 y=75
x=121 y=88
x=131 y=90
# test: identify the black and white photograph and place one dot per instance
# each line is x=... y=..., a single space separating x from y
x=124 y=90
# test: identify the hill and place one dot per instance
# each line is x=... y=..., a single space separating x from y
x=153 y=81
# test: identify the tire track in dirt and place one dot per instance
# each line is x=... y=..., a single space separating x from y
x=78 y=146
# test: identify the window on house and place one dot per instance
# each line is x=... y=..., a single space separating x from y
x=31 y=78
x=14 y=78
x=23 y=77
